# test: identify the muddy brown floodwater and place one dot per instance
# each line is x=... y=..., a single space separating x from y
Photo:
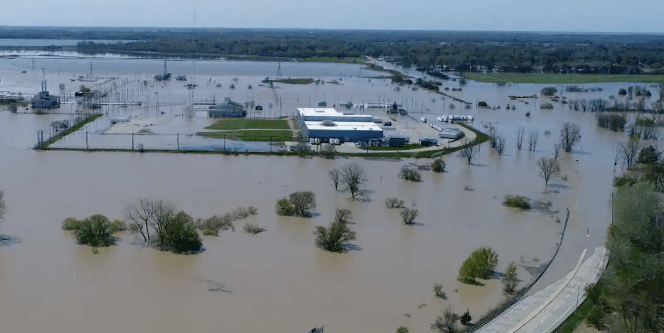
x=278 y=281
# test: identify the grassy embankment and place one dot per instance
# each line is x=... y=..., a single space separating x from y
x=561 y=78
x=71 y=130
x=378 y=68
x=268 y=130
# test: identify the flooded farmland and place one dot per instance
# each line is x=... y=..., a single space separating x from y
x=278 y=280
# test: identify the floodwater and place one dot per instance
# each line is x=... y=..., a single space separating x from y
x=279 y=281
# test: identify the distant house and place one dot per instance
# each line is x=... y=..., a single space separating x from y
x=44 y=100
x=227 y=109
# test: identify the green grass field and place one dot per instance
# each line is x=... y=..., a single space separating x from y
x=251 y=135
x=561 y=78
x=243 y=123
x=291 y=81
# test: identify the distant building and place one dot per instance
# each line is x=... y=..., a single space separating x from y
x=44 y=100
x=227 y=109
x=344 y=131
x=331 y=114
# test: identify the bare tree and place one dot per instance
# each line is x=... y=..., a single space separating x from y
x=492 y=136
x=519 y=137
x=468 y=151
x=556 y=150
x=147 y=214
x=408 y=215
x=334 y=176
x=342 y=215
x=549 y=168
x=500 y=144
x=446 y=323
x=353 y=177
x=570 y=134
x=628 y=152
x=532 y=140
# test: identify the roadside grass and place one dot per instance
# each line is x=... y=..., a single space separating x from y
x=251 y=135
x=244 y=123
x=409 y=146
x=561 y=78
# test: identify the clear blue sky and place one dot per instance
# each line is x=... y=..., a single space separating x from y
x=511 y=15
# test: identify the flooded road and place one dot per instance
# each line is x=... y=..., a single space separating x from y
x=278 y=280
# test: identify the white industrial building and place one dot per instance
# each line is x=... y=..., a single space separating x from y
x=328 y=123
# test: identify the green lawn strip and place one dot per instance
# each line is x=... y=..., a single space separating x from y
x=545 y=78
x=243 y=123
x=251 y=135
x=71 y=130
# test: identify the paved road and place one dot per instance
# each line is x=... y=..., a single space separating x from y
x=545 y=310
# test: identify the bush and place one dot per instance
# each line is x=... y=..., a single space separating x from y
x=94 y=231
x=408 y=215
x=625 y=180
x=482 y=104
x=179 y=234
x=517 y=201
x=614 y=122
x=549 y=91
x=438 y=165
x=410 y=174
x=71 y=224
x=212 y=225
x=118 y=225
x=394 y=203
x=253 y=229
x=438 y=291
x=297 y=204
x=649 y=155
x=546 y=106
x=402 y=329
x=332 y=238
x=480 y=264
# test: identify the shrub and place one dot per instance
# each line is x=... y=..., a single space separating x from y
x=71 y=224
x=212 y=225
x=94 y=231
x=179 y=234
x=649 y=155
x=332 y=238
x=402 y=329
x=410 y=174
x=297 y=204
x=517 y=201
x=614 y=122
x=438 y=165
x=546 y=106
x=625 y=180
x=394 y=203
x=483 y=104
x=438 y=291
x=253 y=229
x=480 y=264
x=118 y=225
x=549 y=91
x=408 y=215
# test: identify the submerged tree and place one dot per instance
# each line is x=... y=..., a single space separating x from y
x=353 y=177
x=570 y=134
x=519 y=137
x=95 y=231
x=438 y=291
x=468 y=151
x=446 y=323
x=335 y=235
x=335 y=177
x=438 y=165
x=480 y=264
x=549 y=168
x=629 y=152
x=510 y=278
x=2 y=205
x=466 y=318
x=408 y=215
x=500 y=144
x=297 y=204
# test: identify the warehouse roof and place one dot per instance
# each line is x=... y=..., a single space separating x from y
x=342 y=126
x=328 y=112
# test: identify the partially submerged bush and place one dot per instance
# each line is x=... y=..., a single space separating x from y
x=410 y=174
x=438 y=165
x=253 y=229
x=409 y=215
x=179 y=234
x=394 y=203
x=212 y=225
x=614 y=122
x=546 y=106
x=332 y=238
x=438 y=291
x=517 y=201
x=118 y=225
x=297 y=204
x=94 y=231
x=480 y=264
x=71 y=224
